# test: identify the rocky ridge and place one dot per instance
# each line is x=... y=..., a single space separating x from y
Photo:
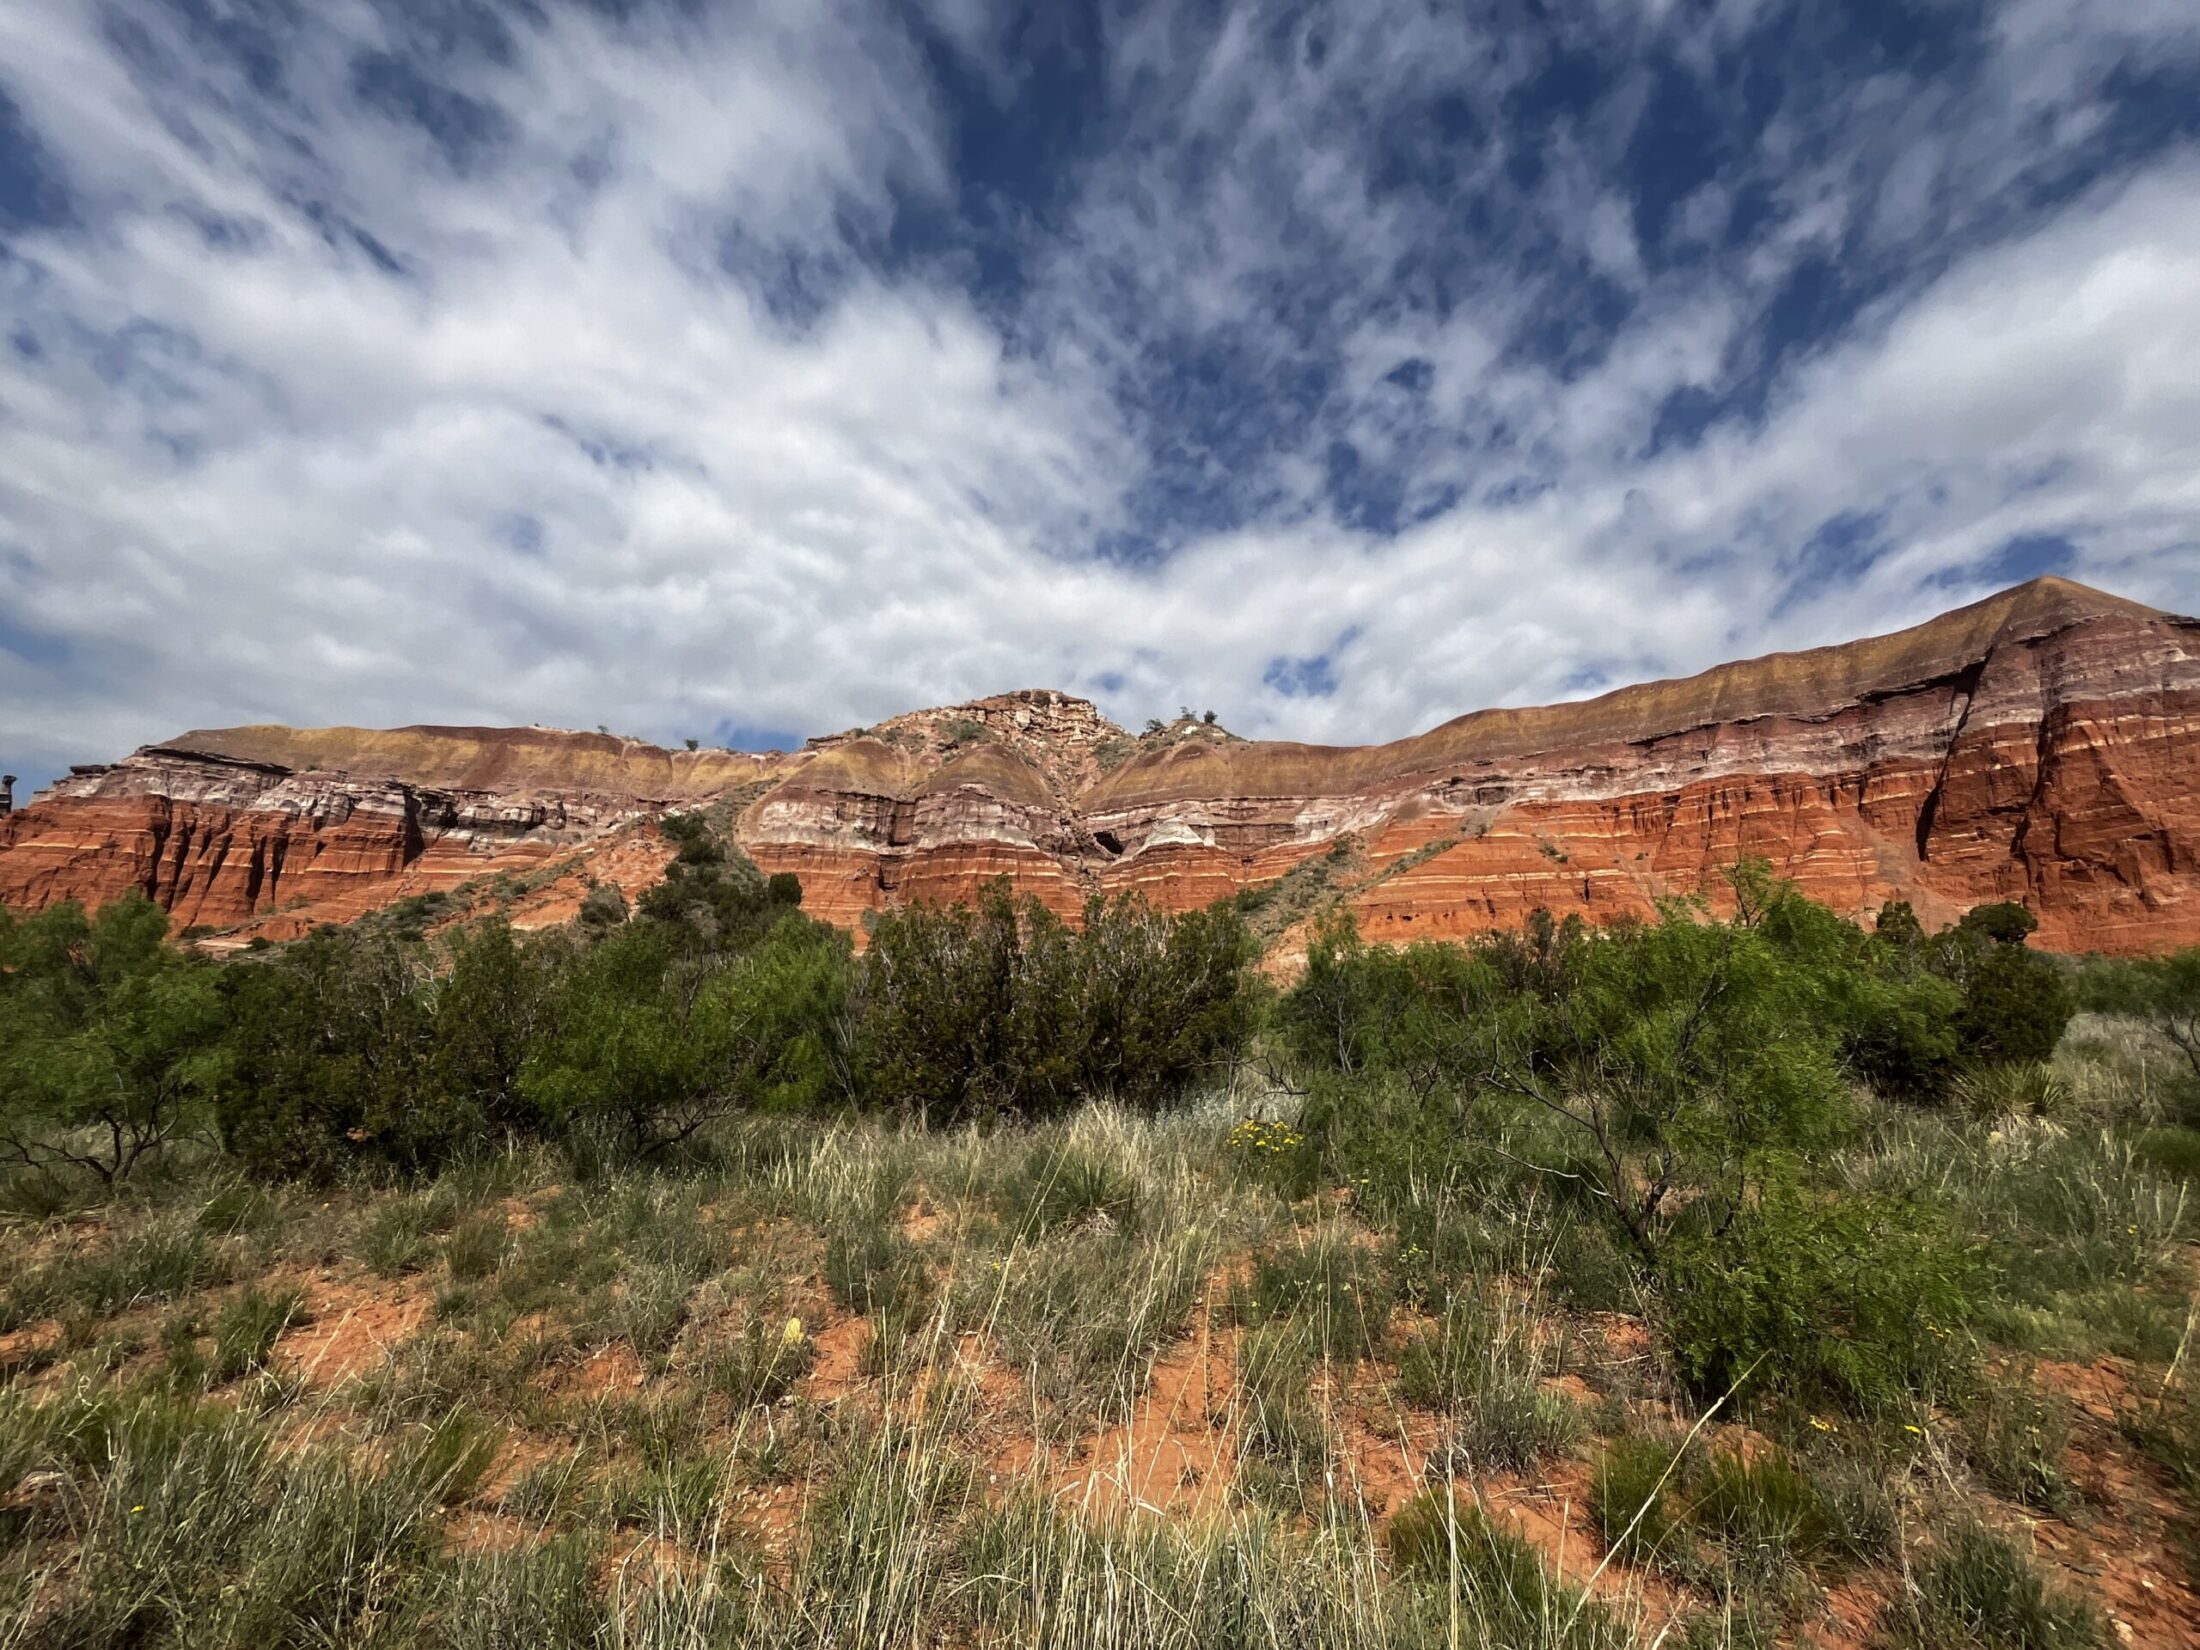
x=2041 y=745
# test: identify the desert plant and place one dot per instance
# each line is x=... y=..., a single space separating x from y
x=761 y=1364
x=1633 y=1497
x=2015 y=1436
x=1337 y=1287
x=1973 y=1587
x=2026 y=1089
x=1482 y=1364
x=246 y=1331
x=1065 y=1184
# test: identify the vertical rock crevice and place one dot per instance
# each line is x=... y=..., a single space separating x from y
x=1966 y=690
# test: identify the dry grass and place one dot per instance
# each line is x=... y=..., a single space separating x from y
x=1094 y=1384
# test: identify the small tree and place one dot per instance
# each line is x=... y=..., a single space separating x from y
x=327 y=1043
x=110 y=1041
x=644 y=1046
x=1691 y=1057
x=715 y=899
x=602 y=907
x=489 y=1010
x=2016 y=1003
x=1897 y=926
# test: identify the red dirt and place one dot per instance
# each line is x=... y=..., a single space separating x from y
x=349 y=1328
x=1550 y=1510
x=1178 y=1451
x=32 y=1341
x=1849 y=1613
x=834 y=1373
x=608 y=1369
x=2101 y=1390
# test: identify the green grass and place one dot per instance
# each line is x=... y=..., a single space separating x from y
x=1336 y=1285
x=1445 y=1538
x=1974 y=1586
x=1018 y=1288
x=1482 y=1364
x=1764 y=1511
x=1635 y=1501
x=2015 y=1436
x=246 y=1331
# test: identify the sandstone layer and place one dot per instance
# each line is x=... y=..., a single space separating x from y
x=2042 y=745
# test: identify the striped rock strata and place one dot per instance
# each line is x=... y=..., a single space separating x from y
x=2042 y=745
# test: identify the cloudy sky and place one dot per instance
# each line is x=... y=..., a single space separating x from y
x=751 y=370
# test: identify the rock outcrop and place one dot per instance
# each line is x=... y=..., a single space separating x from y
x=2042 y=745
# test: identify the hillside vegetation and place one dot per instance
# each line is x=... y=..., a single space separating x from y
x=686 y=1278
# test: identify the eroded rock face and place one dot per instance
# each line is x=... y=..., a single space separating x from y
x=2043 y=745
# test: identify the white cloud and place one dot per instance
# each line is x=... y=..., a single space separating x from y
x=259 y=476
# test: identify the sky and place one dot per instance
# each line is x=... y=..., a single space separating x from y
x=747 y=371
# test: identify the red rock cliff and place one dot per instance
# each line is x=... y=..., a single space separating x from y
x=2042 y=745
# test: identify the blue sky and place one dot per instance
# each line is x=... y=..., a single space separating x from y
x=744 y=371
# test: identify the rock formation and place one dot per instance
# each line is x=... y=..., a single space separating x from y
x=2042 y=745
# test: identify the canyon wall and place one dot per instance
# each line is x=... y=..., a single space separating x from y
x=2043 y=745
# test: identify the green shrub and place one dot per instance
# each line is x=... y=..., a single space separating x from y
x=326 y=1044
x=2174 y=1152
x=1854 y=1300
x=654 y=1034
x=2016 y=1003
x=1705 y=1049
x=602 y=907
x=1973 y=1587
x=1002 y=1007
